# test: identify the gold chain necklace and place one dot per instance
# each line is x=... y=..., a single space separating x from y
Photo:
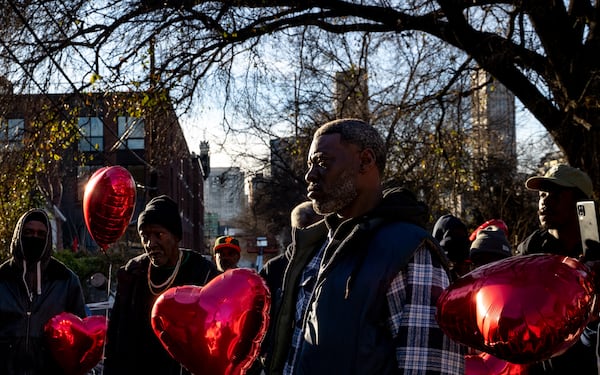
x=168 y=282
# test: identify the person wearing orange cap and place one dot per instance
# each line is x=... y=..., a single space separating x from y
x=227 y=253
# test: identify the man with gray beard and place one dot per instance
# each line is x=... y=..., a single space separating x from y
x=360 y=291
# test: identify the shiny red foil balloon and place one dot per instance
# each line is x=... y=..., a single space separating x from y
x=521 y=309
x=108 y=203
x=487 y=364
x=216 y=329
x=76 y=344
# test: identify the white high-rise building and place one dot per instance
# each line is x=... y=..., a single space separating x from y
x=494 y=124
x=224 y=196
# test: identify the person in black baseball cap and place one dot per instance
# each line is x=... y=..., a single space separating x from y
x=227 y=253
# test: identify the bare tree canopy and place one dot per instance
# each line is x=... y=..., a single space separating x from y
x=544 y=52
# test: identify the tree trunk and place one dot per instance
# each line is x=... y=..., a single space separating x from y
x=582 y=149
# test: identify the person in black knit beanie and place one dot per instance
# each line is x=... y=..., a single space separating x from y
x=131 y=345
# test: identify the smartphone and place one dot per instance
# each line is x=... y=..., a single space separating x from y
x=588 y=225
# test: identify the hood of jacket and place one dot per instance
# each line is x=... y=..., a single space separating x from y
x=400 y=204
x=397 y=204
x=16 y=245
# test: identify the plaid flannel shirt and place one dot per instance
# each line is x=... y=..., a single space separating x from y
x=421 y=346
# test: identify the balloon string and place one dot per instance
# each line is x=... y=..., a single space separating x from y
x=108 y=308
x=108 y=288
x=598 y=346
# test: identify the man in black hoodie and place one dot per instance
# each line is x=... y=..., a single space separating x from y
x=34 y=287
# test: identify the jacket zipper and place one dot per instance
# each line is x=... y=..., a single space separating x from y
x=28 y=329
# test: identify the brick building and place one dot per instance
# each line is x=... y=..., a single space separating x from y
x=138 y=131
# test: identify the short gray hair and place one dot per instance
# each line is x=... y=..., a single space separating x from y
x=359 y=133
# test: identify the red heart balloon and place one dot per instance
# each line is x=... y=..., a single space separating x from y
x=108 y=203
x=487 y=364
x=76 y=344
x=215 y=329
x=521 y=309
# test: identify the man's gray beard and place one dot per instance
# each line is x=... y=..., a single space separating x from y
x=340 y=196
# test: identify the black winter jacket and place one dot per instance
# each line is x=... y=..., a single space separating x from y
x=26 y=305
x=541 y=241
x=398 y=205
x=132 y=347
x=582 y=355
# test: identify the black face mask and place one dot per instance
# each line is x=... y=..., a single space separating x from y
x=33 y=247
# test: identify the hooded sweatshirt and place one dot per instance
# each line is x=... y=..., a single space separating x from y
x=34 y=287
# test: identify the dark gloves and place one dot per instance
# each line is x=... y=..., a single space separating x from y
x=592 y=251
x=592 y=260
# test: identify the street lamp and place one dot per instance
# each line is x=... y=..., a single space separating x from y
x=261 y=243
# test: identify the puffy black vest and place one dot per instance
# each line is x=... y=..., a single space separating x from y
x=347 y=330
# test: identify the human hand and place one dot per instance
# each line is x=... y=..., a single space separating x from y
x=592 y=253
x=592 y=259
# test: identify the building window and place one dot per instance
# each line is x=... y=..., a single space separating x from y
x=131 y=133
x=92 y=134
x=11 y=132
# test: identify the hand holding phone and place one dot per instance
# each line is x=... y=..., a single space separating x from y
x=588 y=224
